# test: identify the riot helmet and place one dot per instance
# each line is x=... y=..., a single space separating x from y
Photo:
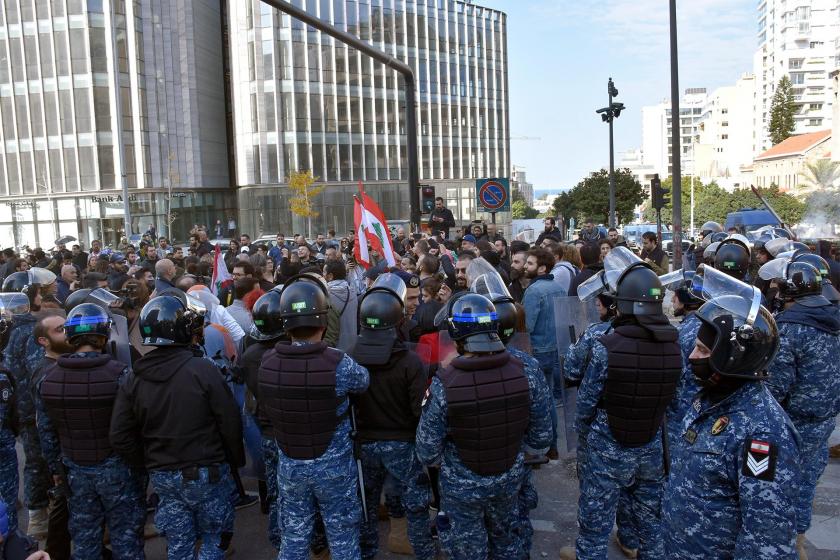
x=710 y=227
x=829 y=291
x=740 y=333
x=681 y=282
x=783 y=245
x=268 y=323
x=802 y=282
x=167 y=320
x=713 y=237
x=304 y=302
x=733 y=258
x=474 y=324
x=29 y=282
x=87 y=319
x=639 y=292
x=76 y=297
x=507 y=315
x=709 y=253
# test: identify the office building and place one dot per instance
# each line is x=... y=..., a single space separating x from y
x=302 y=101
x=656 y=131
x=90 y=88
x=519 y=180
x=799 y=40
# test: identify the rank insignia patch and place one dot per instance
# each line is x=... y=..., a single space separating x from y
x=760 y=459
x=720 y=425
x=696 y=405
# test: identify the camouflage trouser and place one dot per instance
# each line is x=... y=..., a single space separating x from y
x=607 y=470
x=9 y=476
x=189 y=510
x=36 y=473
x=480 y=525
x=306 y=489
x=813 y=460
x=396 y=458
x=110 y=492
x=625 y=520
x=528 y=500
x=269 y=452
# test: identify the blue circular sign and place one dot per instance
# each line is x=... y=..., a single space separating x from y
x=492 y=195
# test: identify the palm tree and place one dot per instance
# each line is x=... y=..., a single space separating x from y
x=821 y=174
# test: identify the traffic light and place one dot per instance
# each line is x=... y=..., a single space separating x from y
x=655 y=183
x=427 y=199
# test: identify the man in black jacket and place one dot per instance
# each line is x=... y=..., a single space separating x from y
x=441 y=218
x=551 y=232
x=387 y=421
x=188 y=454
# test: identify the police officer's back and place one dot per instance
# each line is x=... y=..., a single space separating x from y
x=303 y=387
x=188 y=423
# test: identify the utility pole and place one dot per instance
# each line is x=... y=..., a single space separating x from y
x=408 y=83
x=608 y=115
x=676 y=149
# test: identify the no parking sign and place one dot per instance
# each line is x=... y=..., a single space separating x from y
x=493 y=195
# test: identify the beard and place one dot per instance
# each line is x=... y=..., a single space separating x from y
x=530 y=275
x=515 y=274
x=61 y=346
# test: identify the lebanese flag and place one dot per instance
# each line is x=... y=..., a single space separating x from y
x=377 y=228
x=221 y=276
x=360 y=247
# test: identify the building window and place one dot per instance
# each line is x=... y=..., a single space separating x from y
x=815 y=44
x=797 y=78
x=795 y=63
x=724 y=137
x=814 y=122
x=815 y=107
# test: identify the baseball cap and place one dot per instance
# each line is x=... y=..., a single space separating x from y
x=468 y=237
x=117 y=258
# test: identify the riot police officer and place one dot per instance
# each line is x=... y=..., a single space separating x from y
x=508 y=312
x=387 y=417
x=11 y=305
x=303 y=389
x=697 y=249
x=74 y=403
x=481 y=400
x=267 y=331
x=734 y=469
x=188 y=456
x=22 y=358
x=805 y=376
x=829 y=291
x=623 y=429
x=686 y=301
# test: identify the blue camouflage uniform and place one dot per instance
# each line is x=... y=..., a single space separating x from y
x=397 y=457
x=8 y=453
x=687 y=387
x=805 y=379
x=272 y=496
x=23 y=356
x=574 y=367
x=110 y=492
x=609 y=467
x=329 y=483
x=714 y=505
x=528 y=497
x=482 y=516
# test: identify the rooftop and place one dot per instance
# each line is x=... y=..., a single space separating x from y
x=796 y=145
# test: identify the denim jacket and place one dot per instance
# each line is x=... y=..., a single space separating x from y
x=538 y=302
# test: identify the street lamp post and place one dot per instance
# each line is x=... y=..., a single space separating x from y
x=608 y=115
x=676 y=144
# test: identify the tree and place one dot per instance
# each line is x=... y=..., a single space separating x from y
x=782 y=111
x=821 y=174
x=591 y=197
x=301 y=204
x=521 y=211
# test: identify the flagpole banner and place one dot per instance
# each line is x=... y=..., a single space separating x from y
x=360 y=249
x=221 y=276
x=378 y=228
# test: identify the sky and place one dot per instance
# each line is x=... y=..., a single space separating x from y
x=561 y=53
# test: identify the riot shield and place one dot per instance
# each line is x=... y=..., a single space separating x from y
x=571 y=318
x=13 y=304
x=119 y=345
x=104 y=299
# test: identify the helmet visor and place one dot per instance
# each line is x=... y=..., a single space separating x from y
x=674 y=280
x=743 y=301
x=12 y=304
x=593 y=286
x=775 y=268
x=392 y=283
x=196 y=305
x=779 y=245
x=486 y=280
x=616 y=262
x=740 y=238
x=711 y=250
x=104 y=298
x=41 y=276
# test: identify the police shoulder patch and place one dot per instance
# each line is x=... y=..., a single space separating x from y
x=426 y=396
x=6 y=391
x=759 y=459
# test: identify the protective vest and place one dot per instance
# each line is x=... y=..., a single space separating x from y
x=297 y=394
x=642 y=377
x=488 y=408
x=79 y=395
